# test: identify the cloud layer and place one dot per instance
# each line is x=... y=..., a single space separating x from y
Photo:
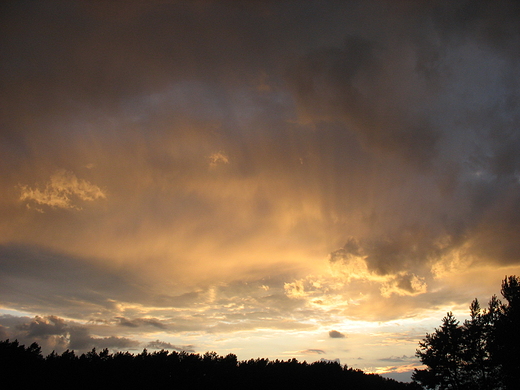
x=215 y=167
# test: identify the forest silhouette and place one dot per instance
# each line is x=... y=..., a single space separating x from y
x=177 y=370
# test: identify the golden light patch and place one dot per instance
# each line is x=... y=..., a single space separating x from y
x=218 y=158
x=63 y=190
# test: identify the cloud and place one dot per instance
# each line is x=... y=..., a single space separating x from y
x=345 y=84
x=334 y=334
x=295 y=289
x=382 y=261
x=137 y=322
x=44 y=327
x=404 y=284
x=218 y=158
x=397 y=359
x=50 y=332
x=80 y=339
x=157 y=344
x=63 y=190
x=376 y=258
x=55 y=333
x=121 y=343
x=313 y=352
x=61 y=283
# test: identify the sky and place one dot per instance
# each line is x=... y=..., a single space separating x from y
x=276 y=179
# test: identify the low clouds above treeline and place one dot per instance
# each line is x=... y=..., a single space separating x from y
x=53 y=333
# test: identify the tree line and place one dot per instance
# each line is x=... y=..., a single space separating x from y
x=482 y=353
x=177 y=370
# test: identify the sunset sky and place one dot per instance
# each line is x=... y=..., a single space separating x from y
x=277 y=179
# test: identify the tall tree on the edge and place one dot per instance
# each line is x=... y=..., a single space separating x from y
x=505 y=345
x=481 y=354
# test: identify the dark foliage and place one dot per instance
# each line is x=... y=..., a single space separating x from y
x=480 y=354
x=176 y=370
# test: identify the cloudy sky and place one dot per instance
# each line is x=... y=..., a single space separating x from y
x=278 y=179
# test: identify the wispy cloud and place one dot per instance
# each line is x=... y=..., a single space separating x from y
x=313 y=351
x=218 y=158
x=63 y=190
x=397 y=359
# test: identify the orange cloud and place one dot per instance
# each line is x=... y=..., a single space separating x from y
x=63 y=190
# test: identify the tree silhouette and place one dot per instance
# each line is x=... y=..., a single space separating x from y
x=442 y=352
x=505 y=346
x=481 y=354
x=177 y=370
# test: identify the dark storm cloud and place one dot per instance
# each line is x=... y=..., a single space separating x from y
x=388 y=81
x=106 y=56
x=447 y=101
x=58 y=65
x=330 y=85
x=334 y=334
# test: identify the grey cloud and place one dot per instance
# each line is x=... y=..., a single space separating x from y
x=44 y=326
x=275 y=323
x=58 y=282
x=11 y=321
x=178 y=41
x=4 y=334
x=122 y=343
x=397 y=359
x=330 y=85
x=334 y=334
x=55 y=333
x=313 y=351
x=137 y=322
x=50 y=332
x=125 y=322
x=446 y=102
x=404 y=282
x=492 y=22
x=81 y=339
x=386 y=255
x=494 y=237
x=184 y=300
